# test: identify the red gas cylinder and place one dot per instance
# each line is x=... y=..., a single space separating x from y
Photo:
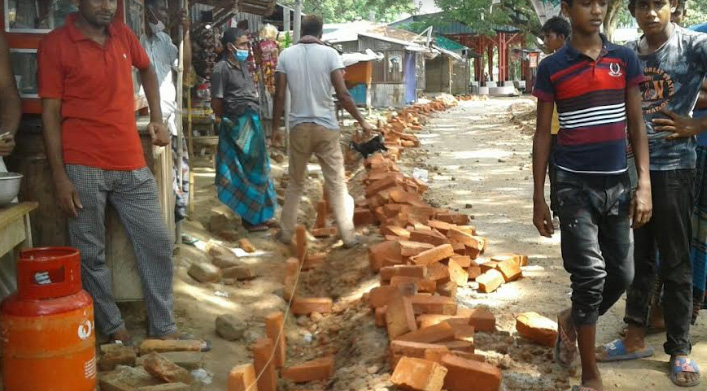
x=46 y=328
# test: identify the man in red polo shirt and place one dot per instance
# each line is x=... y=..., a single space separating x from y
x=95 y=154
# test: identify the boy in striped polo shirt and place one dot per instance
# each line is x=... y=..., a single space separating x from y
x=595 y=86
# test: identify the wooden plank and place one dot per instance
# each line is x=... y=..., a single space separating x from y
x=11 y=213
x=11 y=235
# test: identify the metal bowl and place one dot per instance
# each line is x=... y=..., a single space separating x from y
x=9 y=186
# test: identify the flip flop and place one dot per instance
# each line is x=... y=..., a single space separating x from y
x=582 y=388
x=616 y=351
x=563 y=342
x=682 y=365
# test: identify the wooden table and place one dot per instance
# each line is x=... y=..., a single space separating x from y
x=15 y=229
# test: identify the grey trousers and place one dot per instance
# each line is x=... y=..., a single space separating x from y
x=134 y=196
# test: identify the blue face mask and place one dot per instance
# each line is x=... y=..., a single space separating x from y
x=241 y=55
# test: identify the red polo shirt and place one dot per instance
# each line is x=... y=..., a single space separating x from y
x=95 y=86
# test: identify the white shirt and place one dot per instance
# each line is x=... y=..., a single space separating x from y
x=164 y=57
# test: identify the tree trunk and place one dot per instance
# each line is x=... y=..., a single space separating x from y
x=612 y=18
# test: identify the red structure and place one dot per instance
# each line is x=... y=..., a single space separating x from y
x=503 y=42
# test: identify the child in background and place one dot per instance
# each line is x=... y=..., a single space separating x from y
x=594 y=84
x=674 y=62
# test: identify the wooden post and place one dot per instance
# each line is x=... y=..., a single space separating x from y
x=180 y=125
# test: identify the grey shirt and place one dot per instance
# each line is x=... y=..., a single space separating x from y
x=236 y=87
x=674 y=75
x=308 y=68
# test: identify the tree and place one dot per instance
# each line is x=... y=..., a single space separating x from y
x=337 y=11
x=485 y=18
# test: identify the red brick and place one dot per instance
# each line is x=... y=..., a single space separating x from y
x=433 y=255
x=537 y=328
x=463 y=261
x=459 y=345
x=389 y=272
x=312 y=261
x=325 y=232
x=440 y=226
x=510 y=270
x=378 y=253
x=391 y=180
x=433 y=305
x=262 y=350
x=274 y=324
x=463 y=237
x=448 y=289
x=392 y=210
x=305 y=306
x=410 y=248
x=398 y=349
x=474 y=272
x=291 y=273
x=469 y=356
x=463 y=332
x=322 y=212
x=380 y=314
x=489 y=265
x=363 y=216
x=423 y=285
x=415 y=374
x=490 y=281
x=395 y=231
x=520 y=260
x=464 y=375
x=165 y=370
x=114 y=355
x=438 y=272
x=400 y=317
x=453 y=218
x=483 y=320
x=427 y=320
x=242 y=378
x=457 y=274
x=432 y=237
x=301 y=241
x=432 y=334
x=162 y=346
x=315 y=370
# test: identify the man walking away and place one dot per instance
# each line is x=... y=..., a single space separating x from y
x=310 y=70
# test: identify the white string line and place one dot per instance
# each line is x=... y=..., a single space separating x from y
x=282 y=328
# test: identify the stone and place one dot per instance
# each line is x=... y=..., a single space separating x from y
x=230 y=327
x=165 y=370
x=205 y=272
x=114 y=355
x=238 y=273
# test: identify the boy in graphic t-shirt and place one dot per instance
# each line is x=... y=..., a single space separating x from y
x=674 y=62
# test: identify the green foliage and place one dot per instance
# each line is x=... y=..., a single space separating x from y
x=696 y=12
x=338 y=11
x=484 y=17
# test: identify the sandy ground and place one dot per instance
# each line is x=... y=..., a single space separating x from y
x=478 y=157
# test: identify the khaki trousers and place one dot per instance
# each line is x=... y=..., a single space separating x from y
x=305 y=140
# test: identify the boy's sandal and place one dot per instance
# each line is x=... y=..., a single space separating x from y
x=616 y=351
x=255 y=228
x=565 y=349
x=683 y=365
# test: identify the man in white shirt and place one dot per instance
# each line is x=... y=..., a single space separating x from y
x=164 y=57
x=10 y=104
x=310 y=70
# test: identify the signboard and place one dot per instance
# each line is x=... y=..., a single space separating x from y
x=546 y=9
x=533 y=60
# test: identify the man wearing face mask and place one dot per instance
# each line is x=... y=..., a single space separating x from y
x=242 y=163
x=164 y=56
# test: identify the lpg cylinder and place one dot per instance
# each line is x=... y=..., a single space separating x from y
x=46 y=327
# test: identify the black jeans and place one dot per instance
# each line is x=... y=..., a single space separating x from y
x=670 y=231
x=597 y=245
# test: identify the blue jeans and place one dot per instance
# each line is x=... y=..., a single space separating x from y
x=597 y=242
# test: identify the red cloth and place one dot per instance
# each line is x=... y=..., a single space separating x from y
x=95 y=87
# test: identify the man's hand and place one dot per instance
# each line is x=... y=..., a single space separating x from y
x=7 y=144
x=67 y=197
x=682 y=127
x=184 y=20
x=277 y=138
x=367 y=128
x=641 y=207
x=159 y=133
x=542 y=219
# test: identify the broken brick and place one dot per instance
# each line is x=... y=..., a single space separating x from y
x=114 y=355
x=464 y=333
x=187 y=360
x=315 y=370
x=274 y=324
x=433 y=305
x=291 y=275
x=460 y=345
x=537 y=328
x=520 y=260
x=165 y=370
x=262 y=351
x=380 y=296
x=448 y=289
x=242 y=378
x=453 y=218
x=389 y=272
x=474 y=272
x=305 y=306
x=462 y=260
x=409 y=248
x=438 y=272
x=363 y=216
x=433 y=255
x=400 y=317
x=469 y=356
x=380 y=315
x=322 y=212
x=510 y=270
x=482 y=319
x=378 y=253
x=398 y=349
x=423 y=285
x=441 y=226
x=466 y=374
x=437 y=333
x=160 y=346
x=415 y=374
x=391 y=180
x=301 y=242
x=395 y=231
x=427 y=320
x=432 y=237
x=463 y=237
x=325 y=232
x=312 y=261
x=247 y=246
x=457 y=273
x=238 y=273
x=490 y=281
x=204 y=272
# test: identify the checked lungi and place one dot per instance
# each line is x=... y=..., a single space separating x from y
x=243 y=169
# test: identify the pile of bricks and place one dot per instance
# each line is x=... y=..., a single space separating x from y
x=427 y=254
x=467 y=98
x=155 y=366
